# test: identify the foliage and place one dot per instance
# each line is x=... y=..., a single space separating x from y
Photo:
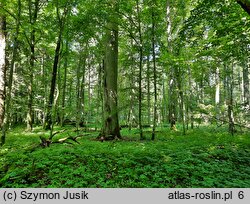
x=206 y=157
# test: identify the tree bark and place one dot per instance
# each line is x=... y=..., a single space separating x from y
x=53 y=83
x=62 y=20
x=230 y=112
x=5 y=125
x=65 y=67
x=111 y=129
x=2 y=70
x=155 y=75
x=148 y=90
x=246 y=92
x=217 y=93
x=140 y=70
x=33 y=13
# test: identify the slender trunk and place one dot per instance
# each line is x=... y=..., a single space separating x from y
x=231 y=127
x=179 y=77
x=64 y=86
x=82 y=92
x=191 y=98
x=89 y=93
x=2 y=71
x=217 y=93
x=62 y=21
x=172 y=81
x=182 y=111
x=100 y=96
x=130 y=118
x=246 y=92
x=44 y=78
x=53 y=83
x=164 y=102
x=140 y=70
x=148 y=90
x=10 y=79
x=155 y=75
x=33 y=13
x=78 y=96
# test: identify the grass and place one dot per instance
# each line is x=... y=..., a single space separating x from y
x=203 y=158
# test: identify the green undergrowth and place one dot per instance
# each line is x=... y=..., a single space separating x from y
x=202 y=158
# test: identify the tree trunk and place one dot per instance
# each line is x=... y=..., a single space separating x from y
x=5 y=125
x=53 y=84
x=148 y=90
x=80 y=85
x=33 y=12
x=172 y=81
x=65 y=66
x=89 y=93
x=217 y=93
x=231 y=127
x=2 y=70
x=246 y=92
x=82 y=91
x=180 y=82
x=140 y=70
x=100 y=94
x=111 y=129
x=62 y=20
x=155 y=75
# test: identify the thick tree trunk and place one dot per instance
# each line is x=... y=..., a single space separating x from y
x=111 y=129
x=2 y=71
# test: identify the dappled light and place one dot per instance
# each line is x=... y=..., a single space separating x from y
x=124 y=94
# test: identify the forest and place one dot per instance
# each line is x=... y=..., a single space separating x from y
x=125 y=93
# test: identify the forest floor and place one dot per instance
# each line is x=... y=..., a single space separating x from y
x=205 y=157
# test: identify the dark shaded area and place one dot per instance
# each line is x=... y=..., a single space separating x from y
x=244 y=5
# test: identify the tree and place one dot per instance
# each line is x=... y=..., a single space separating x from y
x=33 y=14
x=9 y=78
x=111 y=129
x=2 y=68
x=154 y=70
x=61 y=22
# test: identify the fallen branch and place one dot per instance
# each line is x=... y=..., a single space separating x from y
x=55 y=133
x=237 y=124
x=47 y=142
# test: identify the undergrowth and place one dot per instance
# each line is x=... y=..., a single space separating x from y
x=202 y=158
